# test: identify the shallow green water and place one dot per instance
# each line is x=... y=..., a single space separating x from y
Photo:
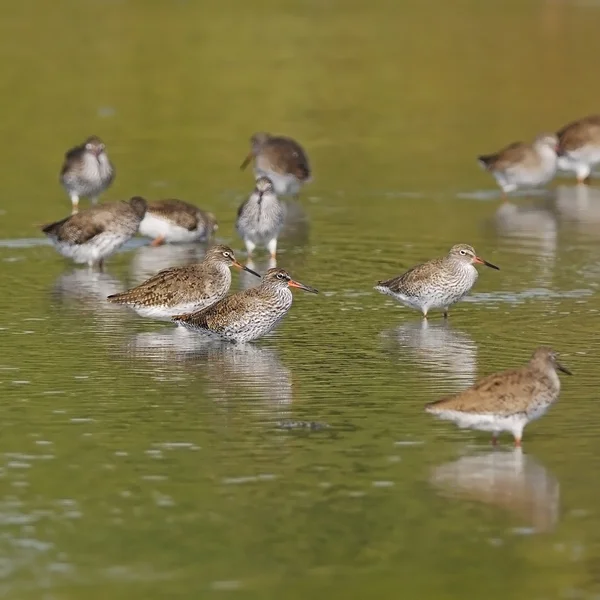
x=132 y=467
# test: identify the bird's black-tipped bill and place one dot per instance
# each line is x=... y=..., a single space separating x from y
x=246 y=162
x=486 y=263
x=244 y=268
x=301 y=286
x=563 y=369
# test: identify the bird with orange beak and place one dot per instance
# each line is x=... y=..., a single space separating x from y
x=438 y=283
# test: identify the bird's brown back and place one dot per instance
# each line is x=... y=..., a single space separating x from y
x=414 y=277
x=177 y=212
x=287 y=156
x=579 y=133
x=517 y=153
x=241 y=307
x=503 y=393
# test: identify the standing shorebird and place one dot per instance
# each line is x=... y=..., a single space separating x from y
x=282 y=160
x=183 y=289
x=506 y=401
x=261 y=217
x=438 y=283
x=247 y=315
x=579 y=147
x=86 y=171
x=523 y=165
x=177 y=221
x=96 y=232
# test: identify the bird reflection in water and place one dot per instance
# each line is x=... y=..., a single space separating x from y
x=531 y=228
x=579 y=206
x=149 y=260
x=231 y=370
x=512 y=481
x=444 y=352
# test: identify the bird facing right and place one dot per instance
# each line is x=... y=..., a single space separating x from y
x=247 y=315
x=506 y=401
x=438 y=283
x=521 y=165
x=281 y=159
x=183 y=289
x=261 y=218
x=86 y=171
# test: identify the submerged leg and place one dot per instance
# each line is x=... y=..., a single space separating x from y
x=159 y=241
x=250 y=245
x=495 y=438
x=74 y=204
x=272 y=247
x=445 y=312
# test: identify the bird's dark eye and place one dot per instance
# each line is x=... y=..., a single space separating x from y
x=226 y=254
x=462 y=252
x=280 y=276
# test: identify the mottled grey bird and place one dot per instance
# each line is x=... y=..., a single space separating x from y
x=97 y=232
x=261 y=218
x=521 y=165
x=173 y=221
x=282 y=160
x=247 y=315
x=86 y=171
x=506 y=401
x=437 y=283
x=183 y=289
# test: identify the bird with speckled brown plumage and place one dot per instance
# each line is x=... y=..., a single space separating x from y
x=281 y=159
x=506 y=401
x=247 y=315
x=92 y=235
x=183 y=289
x=438 y=283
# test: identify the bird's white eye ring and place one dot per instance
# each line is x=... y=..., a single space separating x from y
x=462 y=252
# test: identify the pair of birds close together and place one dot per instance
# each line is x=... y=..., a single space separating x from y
x=575 y=148
x=281 y=168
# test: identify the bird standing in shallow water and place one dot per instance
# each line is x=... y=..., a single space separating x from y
x=506 y=401
x=579 y=147
x=86 y=171
x=183 y=289
x=174 y=221
x=437 y=283
x=95 y=233
x=261 y=218
x=282 y=160
x=523 y=165
x=247 y=315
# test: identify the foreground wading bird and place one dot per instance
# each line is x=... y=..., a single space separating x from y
x=506 y=401
x=86 y=171
x=92 y=235
x=247 y=315
x=183 y=289
x=261 y=218
x=437 y=283
x=282 y=160
x=523 y=165
x=173 y=221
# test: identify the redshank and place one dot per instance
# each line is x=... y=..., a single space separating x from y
x=506 y=401
x=437 y=283
x=523 y=165
x=579 y=147
x=183 y=289
x=261 y=218
x=247 y=315
x=95 y=233
x=86 y=171
x=282 y=160
x=175 y=221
